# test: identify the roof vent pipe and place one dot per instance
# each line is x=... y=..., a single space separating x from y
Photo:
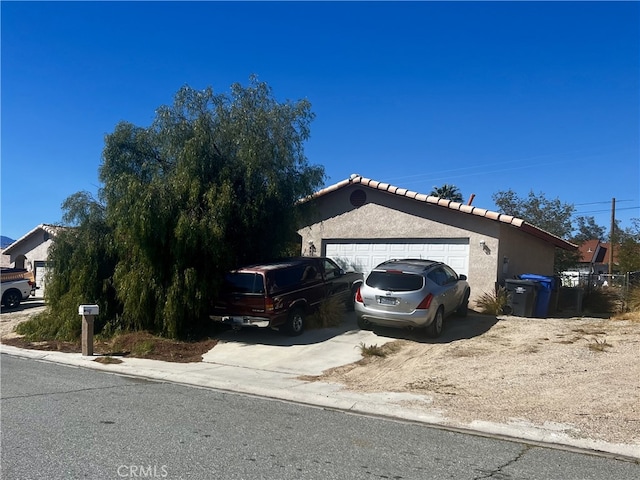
x=473 y=195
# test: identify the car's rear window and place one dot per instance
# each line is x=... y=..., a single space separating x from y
x=395 y=282
x=244 y=283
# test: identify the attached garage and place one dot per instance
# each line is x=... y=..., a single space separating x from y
x=361 y=222
x=364 y=255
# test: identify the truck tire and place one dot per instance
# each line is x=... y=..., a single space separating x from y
x=295 y=323
x=11 y=298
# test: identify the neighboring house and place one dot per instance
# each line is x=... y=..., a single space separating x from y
x=31 y=252
x=5 y=260
x=361 y=222
x=594 y=257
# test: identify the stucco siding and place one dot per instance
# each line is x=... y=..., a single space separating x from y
x=387 y=216
x=525 y=254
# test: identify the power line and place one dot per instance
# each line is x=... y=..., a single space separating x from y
x=608 y=210
x=601 y=203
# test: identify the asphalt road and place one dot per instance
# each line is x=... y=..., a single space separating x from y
x=60 y=422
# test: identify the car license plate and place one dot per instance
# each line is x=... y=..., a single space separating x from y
x=387 y=301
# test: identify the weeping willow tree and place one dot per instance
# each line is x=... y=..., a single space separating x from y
x=209 y=185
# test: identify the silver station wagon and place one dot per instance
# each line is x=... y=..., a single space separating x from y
x=411 y=293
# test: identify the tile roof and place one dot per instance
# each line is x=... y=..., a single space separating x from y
x=444 y=203
x=50 y=229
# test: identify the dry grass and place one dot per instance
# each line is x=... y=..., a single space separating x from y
x=107 y=360
x=379 y=351
x=492 y=303
x=598 y=345
x=329 y=314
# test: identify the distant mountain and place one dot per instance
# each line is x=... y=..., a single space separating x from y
x=5 y=241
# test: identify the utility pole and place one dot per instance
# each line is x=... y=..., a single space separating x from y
x=612 y=235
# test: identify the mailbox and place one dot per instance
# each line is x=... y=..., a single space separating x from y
x=88 y=310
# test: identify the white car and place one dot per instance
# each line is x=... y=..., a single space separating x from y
x=411 y=293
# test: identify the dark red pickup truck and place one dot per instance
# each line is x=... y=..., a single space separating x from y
x=281 y=294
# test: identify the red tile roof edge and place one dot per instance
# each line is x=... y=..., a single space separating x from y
x=443 y=203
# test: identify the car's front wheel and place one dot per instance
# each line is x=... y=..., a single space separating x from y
x=295 y=322
x=434 y=329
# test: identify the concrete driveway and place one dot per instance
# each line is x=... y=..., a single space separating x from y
x=318 y=350
x=309 y=354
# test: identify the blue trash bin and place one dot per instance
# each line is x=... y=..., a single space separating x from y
x=546 y=285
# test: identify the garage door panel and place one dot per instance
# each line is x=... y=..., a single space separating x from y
x=364 y=256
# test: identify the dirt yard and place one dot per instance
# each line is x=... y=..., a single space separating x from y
x=579 y=376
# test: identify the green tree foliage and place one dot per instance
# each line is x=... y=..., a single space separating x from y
x=448 y=192
x=82 y=261
x=588 y=229
x=208 y=186
x=628 y=254
x=550 y=215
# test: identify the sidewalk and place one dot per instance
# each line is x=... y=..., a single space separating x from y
x=270 y=366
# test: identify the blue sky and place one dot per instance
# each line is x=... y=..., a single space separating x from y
x=539 y=96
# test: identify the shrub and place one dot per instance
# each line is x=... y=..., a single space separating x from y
x=371 y=350
x=633 y=299
x=602 y=301
x=329 y=314
x=45 y=326
x=379 y=351
x=493 y=303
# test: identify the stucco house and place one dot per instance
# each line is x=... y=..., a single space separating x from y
x=361 y=222
x=31 y=252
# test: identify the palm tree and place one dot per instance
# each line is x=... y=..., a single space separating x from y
x=448 y=192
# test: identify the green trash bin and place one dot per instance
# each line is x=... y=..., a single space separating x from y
x=521 y=297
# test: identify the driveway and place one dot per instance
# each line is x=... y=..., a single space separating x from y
x=312 y=353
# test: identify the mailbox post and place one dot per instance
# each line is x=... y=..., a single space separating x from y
x=88 y=313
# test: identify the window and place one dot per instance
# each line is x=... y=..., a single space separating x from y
x=244 y=283
x=330 y=269
x=395 y=282
x=438 y=276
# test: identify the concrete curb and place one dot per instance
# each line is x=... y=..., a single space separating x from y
x=287 y=387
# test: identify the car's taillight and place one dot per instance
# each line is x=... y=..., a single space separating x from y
x=359 y=296
x=268 y=305
x=425 y=303
x=32 y=284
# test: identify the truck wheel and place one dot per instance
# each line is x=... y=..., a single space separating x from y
x=435 y=328
x=295 y=322
x=11 y=298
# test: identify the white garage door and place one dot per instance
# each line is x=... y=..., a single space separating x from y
x=363 y=256
x=40 y=274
